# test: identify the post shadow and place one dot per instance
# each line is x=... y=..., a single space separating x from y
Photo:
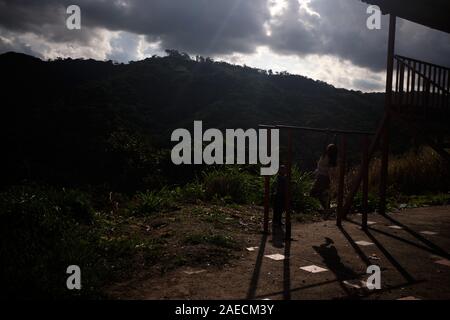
x=257 y=270
x=287 y=271
x=355 y=247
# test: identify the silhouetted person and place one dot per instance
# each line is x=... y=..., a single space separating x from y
x=280 y=196
x=321 y=186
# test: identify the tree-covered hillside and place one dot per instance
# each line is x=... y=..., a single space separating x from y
x=91 y=122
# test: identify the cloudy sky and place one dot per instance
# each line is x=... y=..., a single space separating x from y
x=322 y=39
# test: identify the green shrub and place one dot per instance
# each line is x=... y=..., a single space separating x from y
x=301 y=183
x=427 y=199
x=76 y=204
x=191 y=192
x=41 y=236
x=43 y=231
x=212 y=239
x=301 y=186
x=372 y=202
x=145 y=203
x=233 y=184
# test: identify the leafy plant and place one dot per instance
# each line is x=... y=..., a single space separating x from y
x=145 y=203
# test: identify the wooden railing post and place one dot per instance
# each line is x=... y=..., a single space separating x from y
x=340 y=197
x=388 y=105
x=267 y=188
x=365 y=181
x=447 y=95
x=413 y=88
x=384 y=168
x=401 y=87
x=288 y=203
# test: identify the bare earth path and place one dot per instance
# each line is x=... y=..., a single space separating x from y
x=413 y=264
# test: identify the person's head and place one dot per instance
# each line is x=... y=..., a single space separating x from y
x=332 y=152
x=282 y=170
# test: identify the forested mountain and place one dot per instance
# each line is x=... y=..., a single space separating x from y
x=91 y=122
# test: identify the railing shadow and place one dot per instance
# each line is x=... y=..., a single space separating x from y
x=409 y=278
x=367 y=294
x=409 y=242
x=436 y=249
x=385 y=252
x=287 y=271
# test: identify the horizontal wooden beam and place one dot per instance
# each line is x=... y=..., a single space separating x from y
x=325 y=130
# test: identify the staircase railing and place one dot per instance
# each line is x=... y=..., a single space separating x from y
x=420 y=88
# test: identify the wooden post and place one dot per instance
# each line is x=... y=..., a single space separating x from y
x=340 y=199
x=288 y=189
x=354 y=187
x=388 y=103
x=267 y=188
x=365 y=181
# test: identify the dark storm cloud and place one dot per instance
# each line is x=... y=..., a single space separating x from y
x=341 y=31
x=197 y=26
x=46 y=18
x=217 y=27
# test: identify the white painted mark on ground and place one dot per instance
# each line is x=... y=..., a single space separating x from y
x=428 y=233
x=191 y=272
x=409 y=298
x=364 y=243
x=395 y=227
x=374 y=257
x=369 y=223
x=443 y=262
x=275 y=256
x=355 y=284
x=252 y=248
x=313 y=269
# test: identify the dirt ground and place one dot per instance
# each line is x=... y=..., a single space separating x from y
x=414 y=265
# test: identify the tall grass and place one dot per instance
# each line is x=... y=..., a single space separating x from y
x=416 y=172
x=227 y=185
